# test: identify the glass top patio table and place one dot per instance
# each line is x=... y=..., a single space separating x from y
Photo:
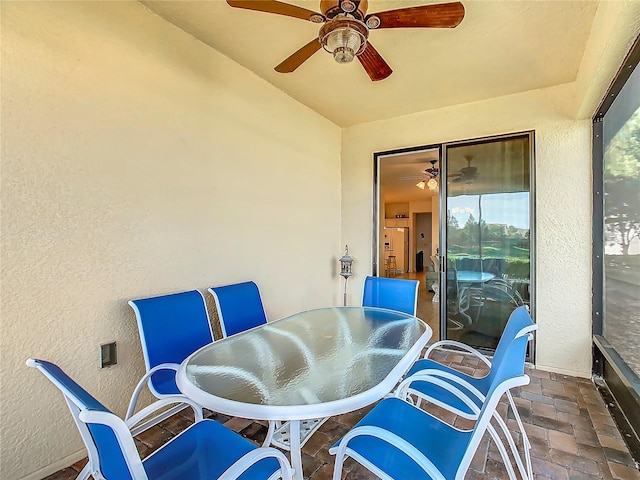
x=472 y=276
x=312 y=364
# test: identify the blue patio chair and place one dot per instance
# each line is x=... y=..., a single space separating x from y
x=171 y=328
x=474 y=389
x=397 y=440
x=205 y=450
x=239 y=307
x=391 y=293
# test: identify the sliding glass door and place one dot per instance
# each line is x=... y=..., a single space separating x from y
x=487 y=205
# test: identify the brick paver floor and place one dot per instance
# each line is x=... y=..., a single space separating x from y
x=571 y=431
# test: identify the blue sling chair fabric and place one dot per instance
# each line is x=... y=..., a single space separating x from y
x=206 y=450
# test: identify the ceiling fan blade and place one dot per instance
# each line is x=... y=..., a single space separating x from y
x=444 y=15
x=298 y=58
x=272 y=6
x=374 y=64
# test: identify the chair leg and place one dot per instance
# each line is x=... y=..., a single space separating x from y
x=393 y=267
x=273 y=425
x=502 y=450
x=514 y=450
x=337 y=467
x=85 y=473
x=525 y=439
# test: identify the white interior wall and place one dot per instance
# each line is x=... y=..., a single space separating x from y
x=422 y=207
x=422 y=225
x=137 y=161
x=393 y=209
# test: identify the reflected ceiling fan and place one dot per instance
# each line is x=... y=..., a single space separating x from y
x=346 y=26
x=466 y=174
x=429 y=177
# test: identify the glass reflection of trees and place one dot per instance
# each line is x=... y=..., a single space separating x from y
x=622 y=240
x=477 y=239
x=477 y=312
x=488 y=243
x=622 y=186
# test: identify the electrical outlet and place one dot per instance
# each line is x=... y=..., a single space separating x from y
x=108 y=354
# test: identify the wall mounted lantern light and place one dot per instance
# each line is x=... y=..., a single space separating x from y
x=345 y=269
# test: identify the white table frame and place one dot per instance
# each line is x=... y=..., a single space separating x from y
x=297 y=413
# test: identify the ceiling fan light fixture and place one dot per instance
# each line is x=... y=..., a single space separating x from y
x=348 y=6
x=372 y=21
x=343 y=43
x=421 y=184
x=432 y=184
x=344 y=38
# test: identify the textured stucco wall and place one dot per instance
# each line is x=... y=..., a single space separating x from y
x=137 y=161
x=561 y=119
x=563 y=201
x=615 y=27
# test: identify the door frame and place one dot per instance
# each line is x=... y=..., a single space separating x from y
x=531 y=349
x=377 y=156
x=442 y=213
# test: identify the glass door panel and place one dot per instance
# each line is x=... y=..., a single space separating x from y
x=487 y=237
x=621 y=221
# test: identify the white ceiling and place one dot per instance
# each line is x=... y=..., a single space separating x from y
x=501 y=47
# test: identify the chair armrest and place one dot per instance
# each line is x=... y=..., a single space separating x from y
x=436 y=377
x=143 y=381
x=461 y=346
x=249 y=459
x=131 y=421
x=392 y=439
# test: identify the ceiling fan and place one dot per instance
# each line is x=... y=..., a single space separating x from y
x=466 y=174
x=346 y=28
x=429 y=177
